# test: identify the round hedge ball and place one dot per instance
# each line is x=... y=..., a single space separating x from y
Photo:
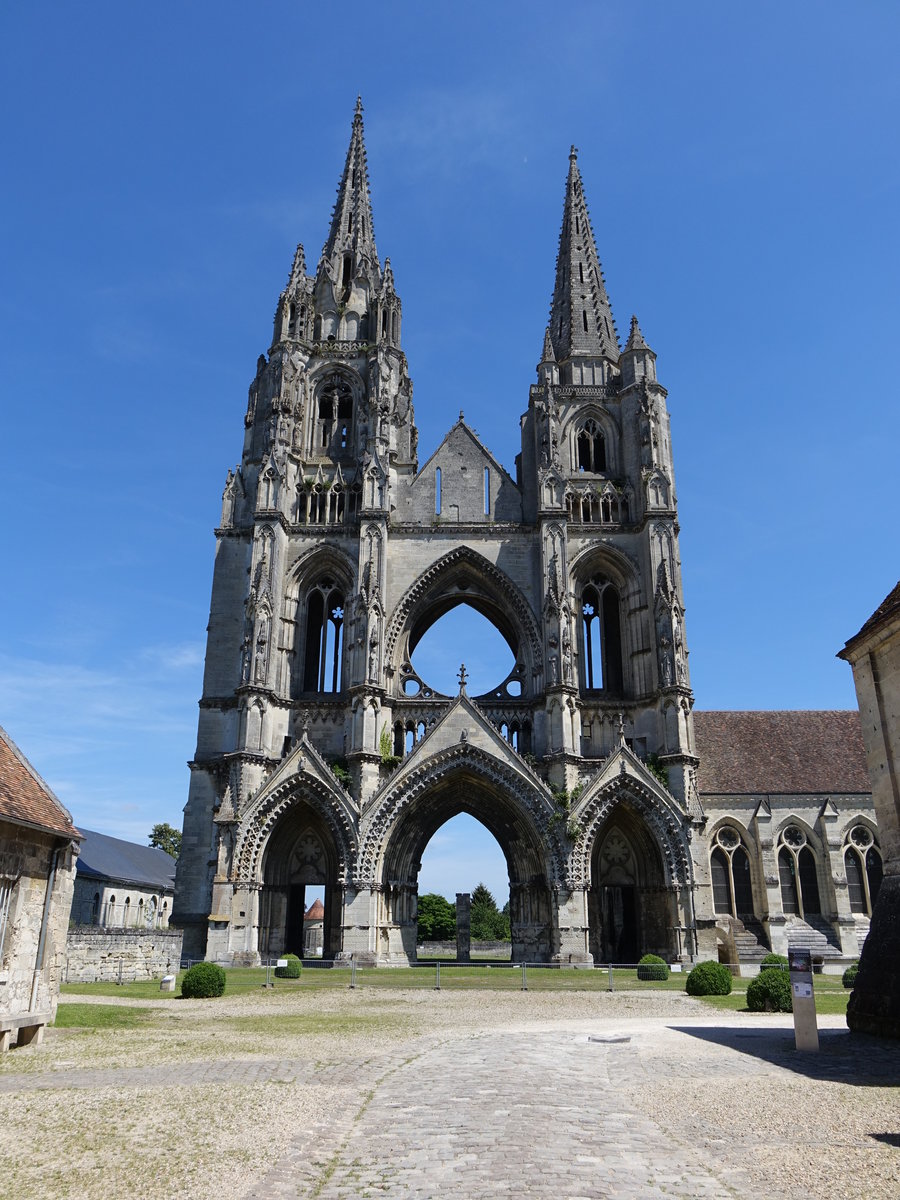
x=291 y=969
x=770 y=991
x=651 y=966
x=709 y=979
x=203 y=981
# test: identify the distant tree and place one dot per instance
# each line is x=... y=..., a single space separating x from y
x=164 y=837
x=488 y=923
x=437 y=919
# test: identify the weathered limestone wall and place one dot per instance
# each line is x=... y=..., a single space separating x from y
x=874 y=654
x=26 y=861
x=105 y=955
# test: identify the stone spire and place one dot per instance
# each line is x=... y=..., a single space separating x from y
x=352 y=231
x=581 y=320
x=636 y=340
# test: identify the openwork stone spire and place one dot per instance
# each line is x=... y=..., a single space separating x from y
x=581 y=320
x=352 y=231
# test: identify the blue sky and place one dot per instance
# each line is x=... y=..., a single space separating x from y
x=162 y=162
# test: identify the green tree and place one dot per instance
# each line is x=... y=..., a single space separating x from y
x=488 y=923
x=437 y=919
x=165 y=837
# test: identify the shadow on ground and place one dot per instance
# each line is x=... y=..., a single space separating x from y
x=843 y=1056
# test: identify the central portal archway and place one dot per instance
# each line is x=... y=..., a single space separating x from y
x=464 y=788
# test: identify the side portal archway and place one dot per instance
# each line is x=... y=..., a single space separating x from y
x=300 y=855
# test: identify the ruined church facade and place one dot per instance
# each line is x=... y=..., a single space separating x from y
x=324 y=759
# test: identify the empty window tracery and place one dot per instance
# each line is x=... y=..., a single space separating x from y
x=590 y=448
x=863 y=868
x=324 y=638
x=797 y=874
x=601 y=637
x=334 y=415
x=730 y=871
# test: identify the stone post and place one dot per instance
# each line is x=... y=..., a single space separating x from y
x=463 y=927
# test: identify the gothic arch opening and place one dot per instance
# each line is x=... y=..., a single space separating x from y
x=465 y=577
x=462 y=789
x=300 y=863
x=462 y=854
x=629 y=904
x=463 y=633
x=333 y=416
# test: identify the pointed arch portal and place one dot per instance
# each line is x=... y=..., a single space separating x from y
x=411 y=826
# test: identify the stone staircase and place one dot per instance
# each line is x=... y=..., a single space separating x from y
x=814 y=934
x=749 y=938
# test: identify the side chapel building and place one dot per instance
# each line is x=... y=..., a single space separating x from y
x=324 y=759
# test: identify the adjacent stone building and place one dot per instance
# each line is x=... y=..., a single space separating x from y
x=122 y=885
x=119 y=927
x=874 y=654
x=323 y=757
x=38 y=848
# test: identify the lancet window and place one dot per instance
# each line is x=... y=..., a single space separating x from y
x=730 y=870
x=324 y=638
x=590 y=448
x=797 y=873
x=334 y=416
x=863 y=867
x=601 y=637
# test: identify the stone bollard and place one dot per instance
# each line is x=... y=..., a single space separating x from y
x=167 y=983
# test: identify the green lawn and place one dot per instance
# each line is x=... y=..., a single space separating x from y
x=831 y=996
x=101 y=1016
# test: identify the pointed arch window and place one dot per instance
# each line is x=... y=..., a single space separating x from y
x=730 y=868
x=601 y=637
x=864 y=869
x=334 y=415
x=590 y=448
x=798 y=874
x=324 y=638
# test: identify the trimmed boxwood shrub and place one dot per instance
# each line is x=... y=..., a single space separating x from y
x=651 y=966
x=291 y=970
x=202 y=981
x=770 y=991
x=709 y=979
x=773 y=960
x=848 y=979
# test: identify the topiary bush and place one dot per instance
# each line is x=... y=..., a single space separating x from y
x=770 y=991
x=291 y=970
x=848 y=979
x=773 y=960
x=651 y=966
x=709 y=979
x=203 y=981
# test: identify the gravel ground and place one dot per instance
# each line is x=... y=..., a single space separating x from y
x=205 y=1097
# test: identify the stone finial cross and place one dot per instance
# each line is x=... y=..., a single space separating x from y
x=621 y=729
x=462 y=677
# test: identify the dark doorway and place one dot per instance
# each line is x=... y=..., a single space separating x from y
x=296 y=910
x=620 y=927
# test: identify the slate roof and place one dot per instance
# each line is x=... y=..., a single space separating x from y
x=104 y=857
x=890 y=606
x=790 y=753
x=25 y=798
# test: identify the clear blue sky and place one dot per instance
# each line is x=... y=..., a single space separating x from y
x=161 y=162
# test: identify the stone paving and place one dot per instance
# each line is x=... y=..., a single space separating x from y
x=524 y=1114
x=559 y=1110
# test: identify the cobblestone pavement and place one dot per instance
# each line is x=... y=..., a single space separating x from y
x=636 y=1108
x=524 y=1114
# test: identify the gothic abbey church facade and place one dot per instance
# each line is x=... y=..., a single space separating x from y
x=323 y=759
